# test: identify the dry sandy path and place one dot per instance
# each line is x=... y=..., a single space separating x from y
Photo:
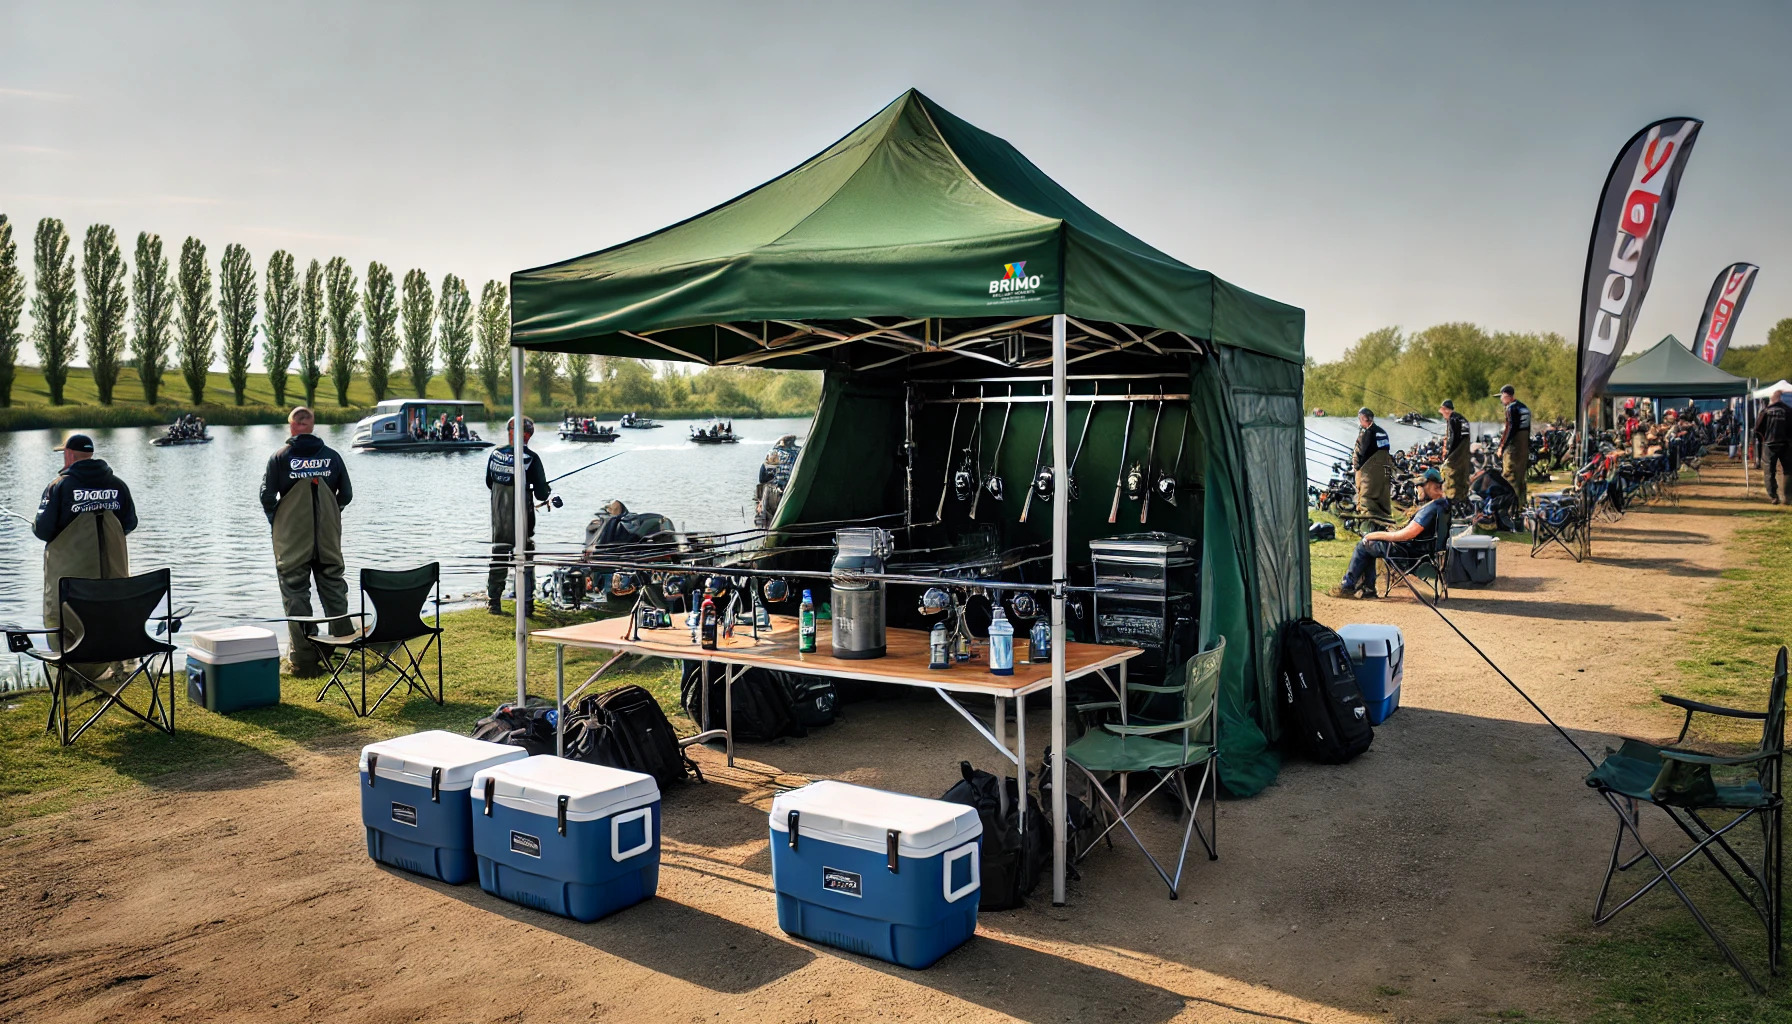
x=1442 y=864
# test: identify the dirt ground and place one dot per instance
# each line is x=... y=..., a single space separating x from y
x=1429 y=879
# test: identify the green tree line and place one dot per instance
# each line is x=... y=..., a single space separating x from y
x=322 y=323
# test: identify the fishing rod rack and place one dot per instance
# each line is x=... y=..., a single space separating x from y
x=916 y=387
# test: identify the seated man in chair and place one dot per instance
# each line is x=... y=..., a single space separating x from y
x=1417 y=538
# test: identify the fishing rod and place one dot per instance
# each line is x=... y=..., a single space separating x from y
x=583 y=468
x=5 y=511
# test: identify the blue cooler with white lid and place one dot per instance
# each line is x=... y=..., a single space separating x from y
x=572 y=838
x=414 y=800
x=1379 y=654
x=881 y=874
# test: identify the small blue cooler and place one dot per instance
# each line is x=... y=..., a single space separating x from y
x=414 y=800
x=881 y=874
x=576 y=839
x=1379 y=653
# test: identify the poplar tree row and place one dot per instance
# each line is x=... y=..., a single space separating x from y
x=311 y=323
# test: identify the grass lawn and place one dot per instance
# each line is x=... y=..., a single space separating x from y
x=40 y=777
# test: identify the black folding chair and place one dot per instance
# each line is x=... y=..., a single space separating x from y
x=1427 y=565
x=1560 y=519
x=103 y=646
x=398 y=598
x=1689 y=788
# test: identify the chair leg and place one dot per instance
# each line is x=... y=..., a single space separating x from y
x=1120 y=813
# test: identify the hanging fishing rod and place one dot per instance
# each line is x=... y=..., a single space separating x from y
x=1502 y=673
x=5 y=511
x=583 y=468
x=1325 y=442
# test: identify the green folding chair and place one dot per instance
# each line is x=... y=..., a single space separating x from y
x=1694 y=789
x=1167 y=750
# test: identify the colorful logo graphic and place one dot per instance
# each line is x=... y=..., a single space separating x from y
x=1014 y=283
x=1010 y=271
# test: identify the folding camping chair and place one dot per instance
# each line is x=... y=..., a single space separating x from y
x=1427 y=566
x=103 y=645
x=1560 y=519
x=398 y=598
x=1165 y=749
x=1686 y=786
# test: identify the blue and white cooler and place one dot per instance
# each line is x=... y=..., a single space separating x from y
x=414 y=800
x=576 y=839
x=234 y=669
x=881 y=874
x=1379 y=653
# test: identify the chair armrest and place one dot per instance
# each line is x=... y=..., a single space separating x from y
x=22 y=629
x=1688 y=757
x=1711 y=709
x=1100 y=705
x=319 y=618
x=1148 y=688
x=1148 y=730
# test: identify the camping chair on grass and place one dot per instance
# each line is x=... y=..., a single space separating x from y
x=1427 y=566
x=1166 y=749
x=1689 y=789
x=1560 y=519
x=398 y=598
x=103 y=645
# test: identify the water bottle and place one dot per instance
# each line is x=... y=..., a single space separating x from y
x=707 y=624
x=938 y=654
x=805 y=632
x=1040 y=647
x=1001 y=644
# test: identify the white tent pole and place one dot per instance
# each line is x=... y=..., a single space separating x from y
x=1060 y=570
x=519 y=547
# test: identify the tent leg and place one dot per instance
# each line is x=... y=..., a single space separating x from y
x=1060 y=570
x=519 y=548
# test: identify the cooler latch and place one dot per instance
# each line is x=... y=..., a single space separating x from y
x=893 y=842
x=491 y=786
x=435 y=785
x=790 y=821
x=560 y=816
x=373 y=767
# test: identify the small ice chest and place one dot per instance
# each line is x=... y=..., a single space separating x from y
x=572 y=838
x=880 y=874
x=1379 y=654
x=1474 y=559
x=233 y=669
x=414 y=800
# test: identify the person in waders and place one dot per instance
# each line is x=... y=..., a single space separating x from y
x=303 y=493
x=1374 y=469
x=1456 y=471
x=500 y=479
x=83 y=519
x=1515 y=443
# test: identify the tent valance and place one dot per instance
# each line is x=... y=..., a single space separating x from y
x=1767 y=392
x=1670 y=370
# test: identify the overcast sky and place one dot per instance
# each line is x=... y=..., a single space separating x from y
x=1375 y=164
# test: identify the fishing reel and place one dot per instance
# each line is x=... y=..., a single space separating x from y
x=776 y=591
x=1022 y=605
x=993 y=485
x=1043 y=484
x=963 y=482
x=1135 y=482
x=622 y=584
x=935 y=601
x=1166 y=488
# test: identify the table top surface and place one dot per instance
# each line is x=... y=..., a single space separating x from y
x=905 y=660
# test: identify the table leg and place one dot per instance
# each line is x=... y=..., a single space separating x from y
x=703 y=696
x=559 y=700
x=1123 y=703
x=729 y=675
x=1020 y=752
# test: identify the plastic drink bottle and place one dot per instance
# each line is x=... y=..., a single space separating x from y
x=938 y=654
x=1040 y=649
x=1001 y=644
x=707 y=624
x=805 y=632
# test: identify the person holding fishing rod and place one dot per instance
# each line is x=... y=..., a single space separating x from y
x=500 y=479
x=1374 y=463
x=303 y=493
x=1457 y=468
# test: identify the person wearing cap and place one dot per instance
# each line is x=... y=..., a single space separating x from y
x=1456 y=468
x=1374 y=463
x=1773 y=438
x=303 y=492
x=1515 y=443
x=83 y=519
x=1416 y=538
x=500 y=479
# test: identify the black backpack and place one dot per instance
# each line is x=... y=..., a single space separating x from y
x=762 y=703
x=530 y=726
x=625 y=728
x=1322 y=710
x=1009 y=864
x=813 y=699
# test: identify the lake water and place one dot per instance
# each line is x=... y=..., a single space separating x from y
x=200 y=512
x=1332 y=438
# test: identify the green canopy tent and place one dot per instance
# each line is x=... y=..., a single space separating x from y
x=919 y=258
x=1671 y=370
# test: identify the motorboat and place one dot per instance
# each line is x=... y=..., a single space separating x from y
x=774 y=478
x=420 y=425
x=631 y=421
x=189 y=429
x=585 y=428
x=718 y=432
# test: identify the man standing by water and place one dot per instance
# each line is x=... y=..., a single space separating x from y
x=83 y=519
x=500 y=479
x=1374 y=468
x=303 y=493
x=1456 y=462
x=1515 y=444
x=1773 y=433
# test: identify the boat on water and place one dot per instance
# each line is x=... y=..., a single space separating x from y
x=718 y=432
x=774 y=477
x=586 y=428
x=176 y=442
x=188 y=429
x=1415 y=419
x=631 y=421
x=420 y=425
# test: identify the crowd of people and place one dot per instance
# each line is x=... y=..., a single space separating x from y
x=583 y=425
x=188 y=427
x=446 y=428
